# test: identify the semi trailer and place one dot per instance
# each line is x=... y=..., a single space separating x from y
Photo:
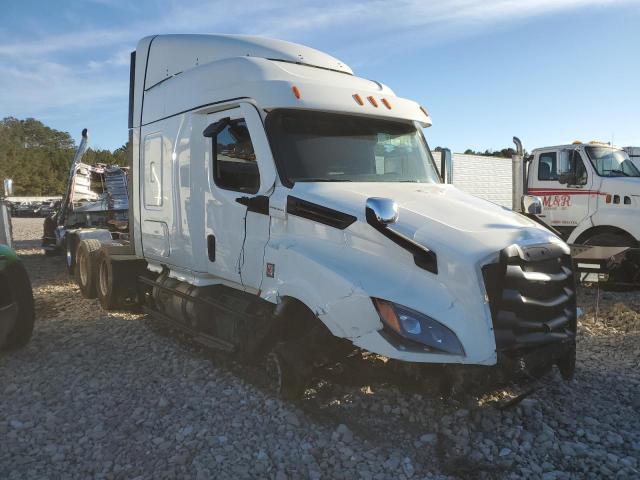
x=288 y=211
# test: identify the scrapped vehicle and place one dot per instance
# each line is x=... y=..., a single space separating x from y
x=288 y=211
x=96 y=200
x=17 y=311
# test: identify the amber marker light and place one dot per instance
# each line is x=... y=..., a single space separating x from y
x=373 y=101
x=388 y=314
x=358 y=99
x=608 y=198
x=386 y=103
x=296 y=92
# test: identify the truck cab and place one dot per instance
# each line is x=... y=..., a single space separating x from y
x=590 y=193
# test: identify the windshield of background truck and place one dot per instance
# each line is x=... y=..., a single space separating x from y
x=327 y=147
x=611 y=162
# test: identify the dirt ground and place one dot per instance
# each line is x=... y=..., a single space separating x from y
x=98 y=394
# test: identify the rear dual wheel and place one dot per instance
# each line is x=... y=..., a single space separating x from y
x=86 y=262
x=116 y=282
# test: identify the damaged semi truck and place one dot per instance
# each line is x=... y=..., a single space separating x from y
x=95 y=205
x=286 y=210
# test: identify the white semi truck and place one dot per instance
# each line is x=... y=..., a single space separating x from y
x=284 y=209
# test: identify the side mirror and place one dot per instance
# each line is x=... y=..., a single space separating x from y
x=531 y=205
x=567 y=178
x=216 y=127
x=382 y=210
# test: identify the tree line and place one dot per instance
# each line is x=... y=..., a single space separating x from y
x=38 y=157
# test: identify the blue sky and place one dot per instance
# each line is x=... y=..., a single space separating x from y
x=548 y=71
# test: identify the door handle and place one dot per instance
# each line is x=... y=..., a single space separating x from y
x=211 y=247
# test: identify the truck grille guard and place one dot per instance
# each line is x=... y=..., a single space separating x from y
x=532 y=296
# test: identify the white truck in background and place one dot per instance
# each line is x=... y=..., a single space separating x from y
x=590 y=194
x=284 y=209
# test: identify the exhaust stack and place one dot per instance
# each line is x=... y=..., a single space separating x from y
x=517 y=175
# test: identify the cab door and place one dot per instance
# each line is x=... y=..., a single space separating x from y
x=241 y=177
x=562 y=180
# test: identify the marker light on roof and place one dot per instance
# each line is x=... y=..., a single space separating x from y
x=296 y=92
x=373 y=101
x=358 y=99
x=424 y=110
x=386 y=103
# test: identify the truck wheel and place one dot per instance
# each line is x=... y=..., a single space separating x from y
x=281 y=377
x=107 y=289
x=86 y=263
x=22 y=295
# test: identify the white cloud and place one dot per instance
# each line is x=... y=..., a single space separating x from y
x=86 y=69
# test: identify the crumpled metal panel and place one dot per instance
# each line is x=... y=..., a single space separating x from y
x=113 y=186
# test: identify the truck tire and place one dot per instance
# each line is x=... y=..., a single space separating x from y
x=22 y=295
x=106 y=284
x=86 y=266
x=282 y=378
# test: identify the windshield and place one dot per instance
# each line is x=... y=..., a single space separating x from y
x=611 y=162
x=328 y=147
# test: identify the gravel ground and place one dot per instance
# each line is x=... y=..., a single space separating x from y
x=106 y=395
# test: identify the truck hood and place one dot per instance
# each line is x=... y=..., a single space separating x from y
x=621 y=185
x=440 y=217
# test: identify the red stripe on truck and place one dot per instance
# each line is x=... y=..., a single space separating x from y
x=542 y=191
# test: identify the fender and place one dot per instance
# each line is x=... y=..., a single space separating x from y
x=336 y=281
x=618 y=218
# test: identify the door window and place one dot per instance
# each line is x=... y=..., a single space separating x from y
x=548 y=166
x=234 y=160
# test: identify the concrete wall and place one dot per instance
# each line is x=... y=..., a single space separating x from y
x=483 y=176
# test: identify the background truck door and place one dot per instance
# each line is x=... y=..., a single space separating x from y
x=241 y=176
x=565 y=203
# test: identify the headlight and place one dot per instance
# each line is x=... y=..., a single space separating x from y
x=418 y=327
